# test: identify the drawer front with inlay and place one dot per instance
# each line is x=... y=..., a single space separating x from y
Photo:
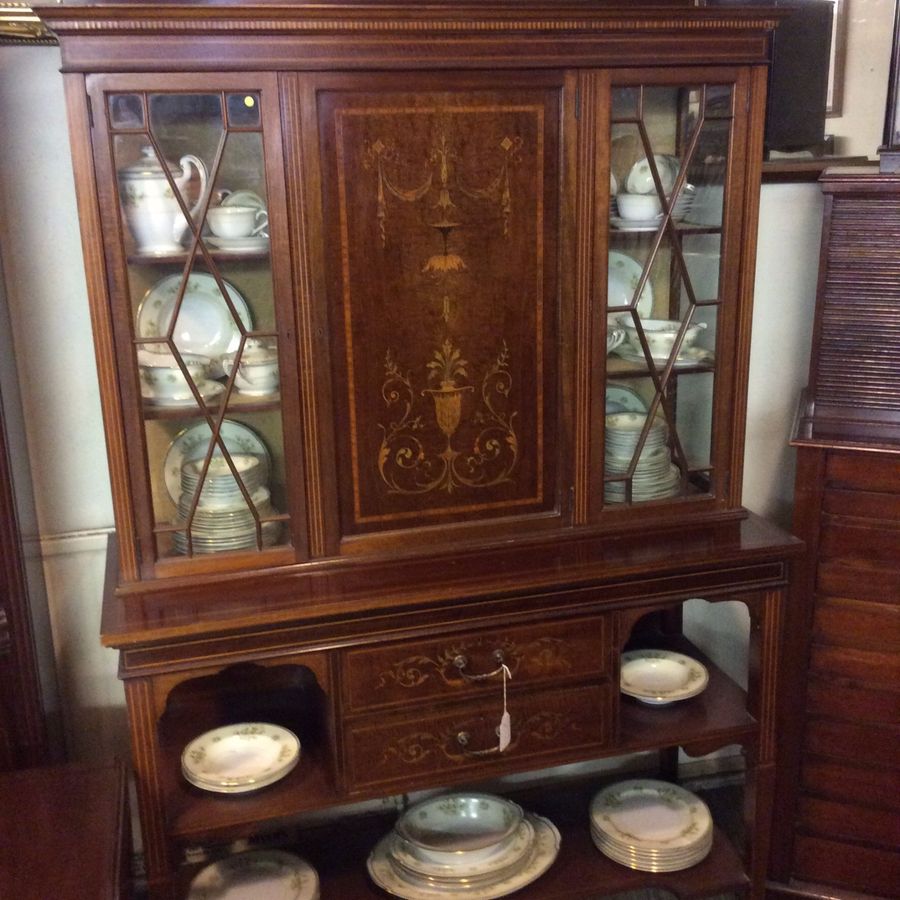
x=470 y=664
x=414 y=751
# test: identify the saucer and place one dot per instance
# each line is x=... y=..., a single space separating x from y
x=209 y=391
x=249 y=244
x=621 y=224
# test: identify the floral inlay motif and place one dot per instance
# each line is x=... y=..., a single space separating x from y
x=406 y=464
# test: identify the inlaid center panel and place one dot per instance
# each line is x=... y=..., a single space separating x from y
x=441 y=212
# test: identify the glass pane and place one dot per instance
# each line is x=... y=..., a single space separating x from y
x=669 y=158
x=195 y=225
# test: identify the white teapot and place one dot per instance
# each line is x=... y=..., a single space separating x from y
x=151 y=208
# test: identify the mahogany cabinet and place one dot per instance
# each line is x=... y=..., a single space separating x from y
x=839 y=758
x=396 y=392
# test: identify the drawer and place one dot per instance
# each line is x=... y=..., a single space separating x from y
x=847 y=864
x=548 y=727
x=857 y=624
x=862 y=505
x=863 y=471
x=458 y=666
x=858 y=540
x=853 y=702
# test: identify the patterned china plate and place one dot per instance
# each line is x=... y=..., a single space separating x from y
x=257 y=875
x=661 y=676
x=193 y=442
x=622 y=281
x=242 y=754
x=645 y=814
x=546 y=849
x=204 y=325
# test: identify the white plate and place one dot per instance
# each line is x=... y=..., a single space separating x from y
x=193 y=442
x=546 y=849
x=693 y=356
x=635 y=224
x=645 y=814
x=209 y=390
x=640 y=178
x=498 y=865
x=622 y=281
x=620 y=398
x=255 y=244
x=257 y=875
x=242 y=754
x=661 y=676
x=204 y=326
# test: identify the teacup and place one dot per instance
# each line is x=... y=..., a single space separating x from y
x=237 y=221
x=163 y=378
x=257 y=371
x=639 y=207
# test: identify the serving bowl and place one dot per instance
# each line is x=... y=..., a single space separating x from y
x=639 y=207
x=163 y=378
x=443 y=829
x=660 y=335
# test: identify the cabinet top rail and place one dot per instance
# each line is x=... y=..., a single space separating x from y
x=316 y=35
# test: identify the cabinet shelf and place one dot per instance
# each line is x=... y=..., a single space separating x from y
x=179 y=259
x=680 y=227
x=716 y=717
x=202 y=815
x=339 y=853
x=236 y=404
x=617 y=368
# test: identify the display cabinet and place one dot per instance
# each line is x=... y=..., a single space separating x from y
x=423 y=338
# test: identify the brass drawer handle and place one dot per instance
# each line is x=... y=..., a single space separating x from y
x=461 y=661
x=463 y=740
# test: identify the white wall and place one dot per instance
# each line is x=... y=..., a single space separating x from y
x=47 y=306
x=61 y=428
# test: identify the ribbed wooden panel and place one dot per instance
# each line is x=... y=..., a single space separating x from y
x=859 y=352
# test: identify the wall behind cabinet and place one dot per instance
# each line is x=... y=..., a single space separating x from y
x=54 y=364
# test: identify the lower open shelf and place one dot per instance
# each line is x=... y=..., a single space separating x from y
x=339 y=851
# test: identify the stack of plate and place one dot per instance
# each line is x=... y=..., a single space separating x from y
x=257 y=875
x=654 y=475
x=222 y=520
x=477 y=845
x=651 y=826
x=240 y=758
x=682 y=205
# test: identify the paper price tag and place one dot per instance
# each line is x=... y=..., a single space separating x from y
x=504 y=731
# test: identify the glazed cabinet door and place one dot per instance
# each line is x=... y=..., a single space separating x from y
x=190 y=183
x=441 y=200
x=666 y=277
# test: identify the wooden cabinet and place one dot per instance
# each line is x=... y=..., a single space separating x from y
x=399 y=388
x=839 y=760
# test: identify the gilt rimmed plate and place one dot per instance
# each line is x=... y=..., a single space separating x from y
x=257 y=875
x=240 y=755
x=648 y=815
x=546 y=849
x=204 y=325
x=620 y=398
x=193 y=442
x=622 y=281
x=661 y=676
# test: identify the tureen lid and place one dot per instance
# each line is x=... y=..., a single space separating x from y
x=148 y=166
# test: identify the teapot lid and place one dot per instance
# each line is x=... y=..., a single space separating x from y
x=148 y=166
